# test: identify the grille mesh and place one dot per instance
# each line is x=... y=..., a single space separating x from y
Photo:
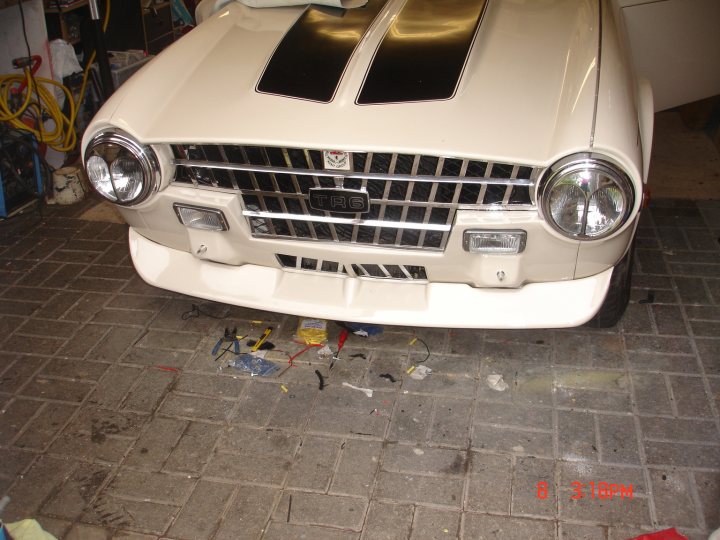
x=413 y=198
x=381 y=271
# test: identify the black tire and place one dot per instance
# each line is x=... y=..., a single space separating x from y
x=618 y=294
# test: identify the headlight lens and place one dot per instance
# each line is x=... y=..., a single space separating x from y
x=586 y=197
x=121 y=169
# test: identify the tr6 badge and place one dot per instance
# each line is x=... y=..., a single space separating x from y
x=336 y=160
x=346 y=201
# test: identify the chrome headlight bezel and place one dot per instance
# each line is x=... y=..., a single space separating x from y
x=127 y=146
x=593 y=167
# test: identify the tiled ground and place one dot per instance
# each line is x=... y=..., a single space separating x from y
x=115 y=422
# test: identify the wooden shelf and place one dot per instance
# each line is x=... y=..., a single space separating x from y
x=67 y=9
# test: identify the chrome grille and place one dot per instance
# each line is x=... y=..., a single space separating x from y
x=380 y=271
x=413 y=198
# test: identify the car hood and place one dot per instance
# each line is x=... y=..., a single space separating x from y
x=526 y=91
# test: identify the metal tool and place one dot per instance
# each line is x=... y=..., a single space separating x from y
x=341 y=341
x=228 y=337
x=262 y=339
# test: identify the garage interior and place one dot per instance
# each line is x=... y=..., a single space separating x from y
x=117 y=422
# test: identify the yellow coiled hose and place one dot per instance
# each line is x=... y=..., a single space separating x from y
x=40 y=101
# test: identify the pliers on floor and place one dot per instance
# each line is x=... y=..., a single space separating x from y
x=228 y=337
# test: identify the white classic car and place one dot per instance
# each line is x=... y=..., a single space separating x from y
x=459 y=163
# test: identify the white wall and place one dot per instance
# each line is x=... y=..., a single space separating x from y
x=676 y=44
x=12 y=43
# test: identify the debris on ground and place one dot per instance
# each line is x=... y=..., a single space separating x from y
x=363 y=329
x=414 y=340
x=388 y=377
x=367 y=391
x=321 y=378
x=419 y=372
x=312 y=331
x=649 y=299
x=341 y=342
x=233 y=340
x=256 y=345
x=496 y=382
x=325 y=351
x=254 y=365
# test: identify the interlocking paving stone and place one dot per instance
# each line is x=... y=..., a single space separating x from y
x=679 y=429
x=708 y=489
x=279 y=530
x=313 y=466
x=614 y=511
x=115 y=421
x=99 y=434
x=439 y=490
x=573 y=531
x=42 y=429
x=356 y=469
x=248 y=513
x=325 y=510
x=149 y=390
x=197 y=407
x=58 y=389
x=156 y=442
x=253 y=456
x=74 y=369
x=193 y=449
x=490 y=483
x=618 y=439
x=576 y=436
x=21 y=369
x=199 y=517
x=451 y=422
x=529 y=472
x=651 y=393
x=508 y=528
x=682 y=454
x=673 y=500
x=114 y=386
x=75 y=494
x=504 y=439
x=15 y=415
x=433 y=524
x=35 y=486
x=388 y=521
x=115 y=343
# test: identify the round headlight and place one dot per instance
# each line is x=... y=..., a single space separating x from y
x=121 y=169
x=585 y=197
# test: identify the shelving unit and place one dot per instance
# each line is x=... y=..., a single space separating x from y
x=65 y=22
x=134 y=26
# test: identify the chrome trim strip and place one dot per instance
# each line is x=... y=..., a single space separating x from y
x=349 y=221
x=352 y=175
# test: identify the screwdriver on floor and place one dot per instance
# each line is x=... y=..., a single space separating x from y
x=341 y=341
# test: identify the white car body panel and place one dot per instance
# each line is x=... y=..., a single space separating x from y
x=558 y=304
x=529 y=95
x=215 y=68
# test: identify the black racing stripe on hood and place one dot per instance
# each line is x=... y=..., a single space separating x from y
x=423 y=53
x=311 y=58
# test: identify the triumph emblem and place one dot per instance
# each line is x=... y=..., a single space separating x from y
x=336 y=160
x=343 y=201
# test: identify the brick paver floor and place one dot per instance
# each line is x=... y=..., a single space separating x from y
x=116 y=423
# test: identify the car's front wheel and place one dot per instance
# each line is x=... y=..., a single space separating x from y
x=618 y=294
